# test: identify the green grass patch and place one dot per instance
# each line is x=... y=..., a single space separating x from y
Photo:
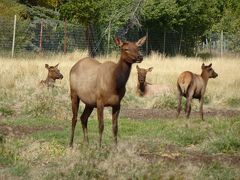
x=6 y=111
x=19 y=169
x=217 y=171
x=233 y=102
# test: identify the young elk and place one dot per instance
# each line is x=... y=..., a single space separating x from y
x=102 y=84
x=53 y=74
x=192 y=85
x=146 y=89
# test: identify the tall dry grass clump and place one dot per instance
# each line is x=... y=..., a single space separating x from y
x=20 y=91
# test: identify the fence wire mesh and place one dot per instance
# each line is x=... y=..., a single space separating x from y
x=56 y=36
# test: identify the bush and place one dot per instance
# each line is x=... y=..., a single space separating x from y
x=166 y=101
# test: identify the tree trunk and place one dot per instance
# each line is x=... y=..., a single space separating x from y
x=89 y=40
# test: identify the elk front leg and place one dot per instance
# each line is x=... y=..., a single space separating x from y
x=100 y=108
x=84 y=119
x=115 y=113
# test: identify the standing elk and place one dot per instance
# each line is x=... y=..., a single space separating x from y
x=102 y=84
x=191 y=85
x=53 y=74
x=147 y=89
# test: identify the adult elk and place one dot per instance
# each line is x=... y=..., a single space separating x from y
x=147 y=89
x=53 y=74
x=102 y=84
x=191 y=85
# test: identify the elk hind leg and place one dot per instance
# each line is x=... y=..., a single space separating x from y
x=188 y=107
x=201 y=107
x=179 y=101
x=75 y=106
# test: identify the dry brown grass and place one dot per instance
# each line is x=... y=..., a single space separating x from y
x=19 y=78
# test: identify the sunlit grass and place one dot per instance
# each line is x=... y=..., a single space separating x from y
x=147 y=149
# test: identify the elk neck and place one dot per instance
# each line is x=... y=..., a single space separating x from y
x=205 y=77
x=122 y=73
x=50 y=79
x=142 y=86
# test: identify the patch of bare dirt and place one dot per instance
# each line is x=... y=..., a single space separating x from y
x=176 y=154
x=23 y=130
x=142 y=114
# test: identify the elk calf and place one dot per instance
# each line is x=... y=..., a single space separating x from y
x=146 y=89
x=53 y=74
x=191 y=85
x=99 y=85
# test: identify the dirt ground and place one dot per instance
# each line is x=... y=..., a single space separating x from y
x=142 y=114
x=136 y=114
x=176 y=154
x=23 y=130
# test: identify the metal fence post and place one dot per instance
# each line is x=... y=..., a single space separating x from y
x=14 y=33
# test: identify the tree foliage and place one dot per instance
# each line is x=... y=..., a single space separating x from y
x=193 y=19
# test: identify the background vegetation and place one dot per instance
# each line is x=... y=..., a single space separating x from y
x=193 y=21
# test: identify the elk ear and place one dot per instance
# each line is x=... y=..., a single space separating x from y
x=57 y=65
x=118 y=42
x=210 y=65
x=141 y=41
x=47 y=66
x=203 y=65
x=150 y=69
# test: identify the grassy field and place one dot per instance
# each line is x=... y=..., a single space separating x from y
x=35 y=126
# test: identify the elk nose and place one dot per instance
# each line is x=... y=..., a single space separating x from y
x=61 y=76
x=140 y=58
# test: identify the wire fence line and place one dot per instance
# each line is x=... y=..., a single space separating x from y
x=42 y=35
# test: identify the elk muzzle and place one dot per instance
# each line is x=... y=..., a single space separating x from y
x=215 y=75
x=139 y=58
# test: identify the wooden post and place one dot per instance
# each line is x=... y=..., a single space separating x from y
x=147 y=42
x=41 y=31
x=65 y=36
x=180 y=42
x=108 y=39
x=14 y=33
x=221 y=43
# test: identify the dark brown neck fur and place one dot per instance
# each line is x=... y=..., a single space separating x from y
x=141 y=87
x=122 y=71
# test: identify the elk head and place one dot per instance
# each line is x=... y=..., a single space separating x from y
x=142 y=73
x=53 y=72
x=130 y=50
x=209 y=71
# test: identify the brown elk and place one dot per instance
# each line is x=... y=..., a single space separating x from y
x=147 y=89
x=102 y=84
x=53 y=74
x=191 y=86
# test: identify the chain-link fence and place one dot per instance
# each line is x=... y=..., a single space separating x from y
x=41 y=35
